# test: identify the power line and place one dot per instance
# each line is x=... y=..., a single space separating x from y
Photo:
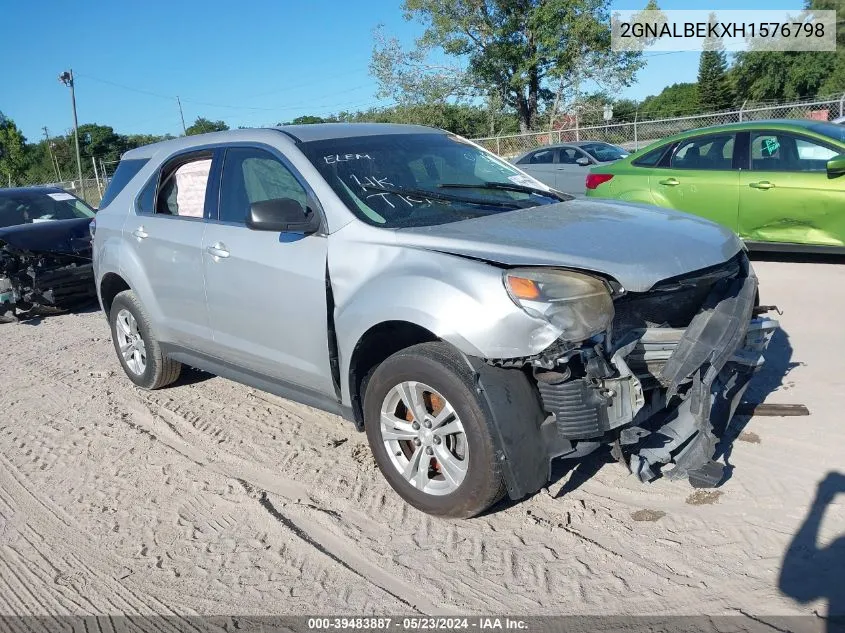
x=231 y=106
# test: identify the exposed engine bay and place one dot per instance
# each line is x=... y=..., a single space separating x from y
x=45 y=269
x=660 y=385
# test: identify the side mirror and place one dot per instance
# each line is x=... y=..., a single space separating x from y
x=282 y=215
x=583 y=161
x=836 y=165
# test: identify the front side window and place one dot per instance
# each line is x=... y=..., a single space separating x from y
x=182 y=188
x=403 y=180
x=569 y=155
x=254 y=175
x=778 y=151
x=705 y=152
x=30 y=207
x=604 y=152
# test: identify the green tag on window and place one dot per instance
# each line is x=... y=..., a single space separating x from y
x=770 y=146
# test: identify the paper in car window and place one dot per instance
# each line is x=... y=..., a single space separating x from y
x=60 y=196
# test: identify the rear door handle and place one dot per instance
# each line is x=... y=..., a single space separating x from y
x=140 y=233
x=670 y=182
x=763 y=184
x=218 y=250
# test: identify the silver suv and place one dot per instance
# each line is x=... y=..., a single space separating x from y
x=475 y=323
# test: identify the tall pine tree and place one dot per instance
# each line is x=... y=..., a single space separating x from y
x=714 y=89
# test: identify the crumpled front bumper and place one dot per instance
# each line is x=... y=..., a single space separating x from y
x=688 y=433
x=668 y=402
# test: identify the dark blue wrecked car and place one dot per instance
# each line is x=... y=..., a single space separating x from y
x=45 y=251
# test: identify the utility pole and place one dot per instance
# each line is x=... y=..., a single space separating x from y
x=182 y=115
x=67 y=79
x=50 y=151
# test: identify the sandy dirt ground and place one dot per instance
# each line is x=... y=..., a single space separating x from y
x=210 y=497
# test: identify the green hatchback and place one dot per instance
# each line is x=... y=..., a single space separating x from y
x=780 y=185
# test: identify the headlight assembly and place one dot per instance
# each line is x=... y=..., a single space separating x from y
x=578 y=304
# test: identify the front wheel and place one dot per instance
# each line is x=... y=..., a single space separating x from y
x=429 y=435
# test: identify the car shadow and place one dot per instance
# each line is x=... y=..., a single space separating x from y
x=809 y=572
x=37 y=315
x=189 y=376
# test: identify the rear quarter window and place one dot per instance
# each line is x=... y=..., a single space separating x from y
x=126 y=171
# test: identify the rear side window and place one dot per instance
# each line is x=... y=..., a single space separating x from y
x=713 y=152
x=544 y=156
x=126 y=171
x=650 y=159
x=183 y=185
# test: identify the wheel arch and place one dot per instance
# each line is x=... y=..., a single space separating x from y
x=111 y=285
x=377 y=344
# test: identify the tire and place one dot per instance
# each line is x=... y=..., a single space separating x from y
x=157 y=370
x=443 y=383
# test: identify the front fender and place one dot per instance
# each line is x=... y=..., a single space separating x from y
x=461 y=301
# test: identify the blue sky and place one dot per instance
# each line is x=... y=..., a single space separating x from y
x=251 y=62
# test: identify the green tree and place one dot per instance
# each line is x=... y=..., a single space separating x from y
x=100 y=141
x=763 y=75
x=714 y=89
x=525 y=52
x=12 y=151
x=675 y=100
x=203 y=125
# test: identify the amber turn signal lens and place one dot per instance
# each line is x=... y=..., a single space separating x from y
x=522 y=288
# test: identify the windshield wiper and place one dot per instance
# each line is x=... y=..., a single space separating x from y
x=503 y=186
x=435 y=195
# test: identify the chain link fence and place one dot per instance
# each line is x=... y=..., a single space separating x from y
x=91 y=189
x=638 y=134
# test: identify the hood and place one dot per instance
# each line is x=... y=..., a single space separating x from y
x=54 y=236
x=638 y=245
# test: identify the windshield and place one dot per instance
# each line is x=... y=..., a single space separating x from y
x=403 y=180
x=27 y=207
x=831 y=130
x=603 y=152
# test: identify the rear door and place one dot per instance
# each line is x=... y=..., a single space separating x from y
x=266 y=291
x=701 y=178
x=542 y=165
x=787 y=195
x=164 y=238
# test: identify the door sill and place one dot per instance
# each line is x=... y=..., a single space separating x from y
x=283 y=389
x=791 y=247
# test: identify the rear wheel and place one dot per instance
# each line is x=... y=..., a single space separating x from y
x=428 y=432
x=137 y=349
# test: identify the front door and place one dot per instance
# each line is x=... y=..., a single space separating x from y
x=787 y=195
x=266 y=291
x=572 y=175
x=700 y=179
x=164 y=236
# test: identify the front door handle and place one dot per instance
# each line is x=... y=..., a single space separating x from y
x=763 y=184
x=218 y=250
x=670 y=182
x=140 y=233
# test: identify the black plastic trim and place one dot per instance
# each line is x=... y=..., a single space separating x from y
x=277 y=387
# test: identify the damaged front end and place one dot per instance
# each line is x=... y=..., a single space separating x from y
x=33 y=280
x=660 y=384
